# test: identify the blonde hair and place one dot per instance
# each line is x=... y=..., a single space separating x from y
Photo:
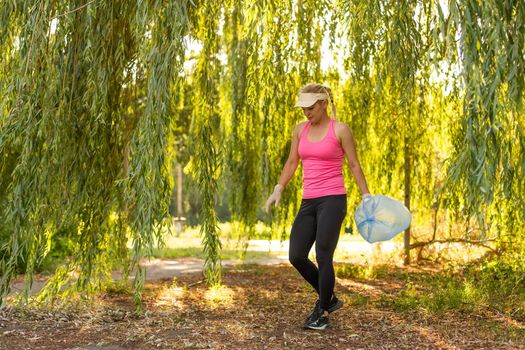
x=318 y=88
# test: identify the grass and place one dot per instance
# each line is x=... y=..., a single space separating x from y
x=436 y=291
x=360 y=271
x=188 y=243
x=196 y=252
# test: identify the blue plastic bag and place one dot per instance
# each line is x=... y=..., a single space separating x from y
x=380 y=218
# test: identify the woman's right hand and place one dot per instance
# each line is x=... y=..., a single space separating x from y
x=366 y=197
x=274 y=197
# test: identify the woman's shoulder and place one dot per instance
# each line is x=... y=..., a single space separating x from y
x=302 y=124
x=339 y=124
x=340 y=127
x=300 y=127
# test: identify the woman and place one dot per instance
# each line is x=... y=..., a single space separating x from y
x=321 y=144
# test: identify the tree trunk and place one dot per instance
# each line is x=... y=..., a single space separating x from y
x=179 y=191
x=407 y=168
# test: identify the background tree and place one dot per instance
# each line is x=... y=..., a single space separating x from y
x=388 y=97
x=98 y=99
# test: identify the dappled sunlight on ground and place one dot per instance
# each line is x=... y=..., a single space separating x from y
x=261 y=307
x=171 y=296
x=367 y=289
x=219 y=297
x=433 y=337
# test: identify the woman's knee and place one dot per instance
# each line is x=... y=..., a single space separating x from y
x=324 y=257
x=297 y=260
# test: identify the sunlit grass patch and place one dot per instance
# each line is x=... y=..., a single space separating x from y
x=502 y=284
x=227 y=230
x=254 y=269
x=433 y=291
x=506 y=329
x=438 y=295
x=357 y=299
x=171 y=295
x=194 y=249
x=355 y=271
x=119 y=287
x=408 y=299
x=219 y=296
x=365 y=253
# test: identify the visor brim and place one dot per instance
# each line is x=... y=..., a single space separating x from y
x=305 y=103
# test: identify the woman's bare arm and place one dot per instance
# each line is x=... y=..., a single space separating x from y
x=348 y=143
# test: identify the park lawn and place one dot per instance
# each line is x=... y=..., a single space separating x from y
x=262 y=307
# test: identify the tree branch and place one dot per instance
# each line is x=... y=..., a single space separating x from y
x=74 y=10
x=454 y=240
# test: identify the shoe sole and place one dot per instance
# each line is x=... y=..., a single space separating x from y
x=337 y=306
x=316 y=328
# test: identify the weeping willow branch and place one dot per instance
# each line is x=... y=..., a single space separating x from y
x=491 y=54
x=73 y=10
x=69 y=126
x=462 y=241
x=206 y=124
x=391 y=73
x=86 y=107
x=150 y=184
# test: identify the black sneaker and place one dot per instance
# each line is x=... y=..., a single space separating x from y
x=314 y=314
x=317 y=320
x=335 y=304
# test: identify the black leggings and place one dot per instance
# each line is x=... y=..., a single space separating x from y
x=318 y=220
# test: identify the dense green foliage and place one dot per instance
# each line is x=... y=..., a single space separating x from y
x=99 y=99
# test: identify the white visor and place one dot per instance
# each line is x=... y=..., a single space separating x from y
x=307 y=99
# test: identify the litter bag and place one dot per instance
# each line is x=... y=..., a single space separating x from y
x=380 y=218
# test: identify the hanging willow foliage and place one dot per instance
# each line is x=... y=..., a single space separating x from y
x=242 y=125
x=388 y=99
x=86 y=122
x=149 y=181
x=287 y=62
x=272 y=93
x=262 y=82
x=206 y=126
x=94 y=99
x=488 y=163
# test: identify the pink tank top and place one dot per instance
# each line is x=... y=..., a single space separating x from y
x=322 y=164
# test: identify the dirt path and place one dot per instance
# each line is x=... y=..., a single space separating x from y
x=161 y=269
x=157 y=270
x=259 y=307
